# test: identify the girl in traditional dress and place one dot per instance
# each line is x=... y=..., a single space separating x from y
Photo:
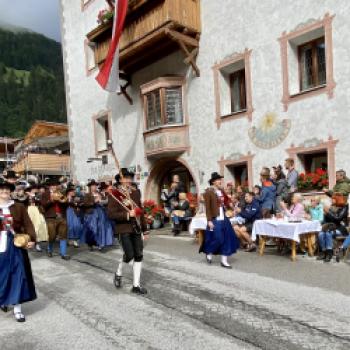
x=16 y=280
x=220 y=238
x=74 y=217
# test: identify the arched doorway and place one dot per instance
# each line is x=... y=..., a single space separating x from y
x=161 y=177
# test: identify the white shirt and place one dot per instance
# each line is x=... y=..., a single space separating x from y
x=5 y=208
x=221 y=216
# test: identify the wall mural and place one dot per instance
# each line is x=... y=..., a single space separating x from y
x=270 y=132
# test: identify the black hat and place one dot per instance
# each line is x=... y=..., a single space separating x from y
x=215 y=176
x=124 y=172
x=5 y=184
x=103 y=186
x=10 y=174
x=70 y=188
x=92 y=183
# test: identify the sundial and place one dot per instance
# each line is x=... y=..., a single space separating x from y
x=271 y=132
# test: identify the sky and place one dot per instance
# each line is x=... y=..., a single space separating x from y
x=41 y=16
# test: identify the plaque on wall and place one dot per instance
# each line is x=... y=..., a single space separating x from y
x=271 y=132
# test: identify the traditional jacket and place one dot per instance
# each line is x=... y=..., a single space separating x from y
x=115 y=211
x=212 y=204
x=50 y=207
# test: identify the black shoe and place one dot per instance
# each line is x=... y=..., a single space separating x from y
x=4 y=308
x=321 y=256
x=49 y=254
x=226 y=266
x=139 y=290
x=117 y=281
x=329 y=256
x=19 y=317
x=65 y=257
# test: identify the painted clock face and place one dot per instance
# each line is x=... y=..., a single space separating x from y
x=271 y=131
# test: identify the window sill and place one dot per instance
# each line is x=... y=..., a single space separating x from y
x=235 y=115
x=163 y=127
x=309 y=91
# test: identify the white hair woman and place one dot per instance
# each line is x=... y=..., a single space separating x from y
x=16 y=280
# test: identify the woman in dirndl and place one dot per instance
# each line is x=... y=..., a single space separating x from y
x=220 y=238
x=16 y=279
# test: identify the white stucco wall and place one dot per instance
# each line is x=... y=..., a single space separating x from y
x=228 y=27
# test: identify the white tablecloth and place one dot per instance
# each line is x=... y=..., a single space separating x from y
x=200 y=223
x=284 y=229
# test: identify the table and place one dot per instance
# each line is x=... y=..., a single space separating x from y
x=273 y=228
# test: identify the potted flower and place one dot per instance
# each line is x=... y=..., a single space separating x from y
x=158 y=216
x=104 y=16
x=148 y=206
x=313 y=181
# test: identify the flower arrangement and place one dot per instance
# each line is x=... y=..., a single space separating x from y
x=152 y=211
x=313 y=181
x=104 y=16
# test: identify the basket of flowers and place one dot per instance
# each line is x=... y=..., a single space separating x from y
x=154 y=214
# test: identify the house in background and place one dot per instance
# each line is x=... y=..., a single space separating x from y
x=44 y=151
x=7 y=148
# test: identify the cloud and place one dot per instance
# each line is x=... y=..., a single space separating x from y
x=42 y=16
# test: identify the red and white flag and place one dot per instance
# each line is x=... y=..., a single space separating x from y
x=108 y=76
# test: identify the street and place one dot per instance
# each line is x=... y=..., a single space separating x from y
x=264 y=302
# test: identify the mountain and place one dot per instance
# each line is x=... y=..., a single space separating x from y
x=31 y=80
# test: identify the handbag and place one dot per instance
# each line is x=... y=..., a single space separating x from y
x=21 y=240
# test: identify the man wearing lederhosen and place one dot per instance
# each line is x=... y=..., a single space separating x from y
x=125 y=208
x=54 y=205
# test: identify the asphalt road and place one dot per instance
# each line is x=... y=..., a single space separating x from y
x=262 y=303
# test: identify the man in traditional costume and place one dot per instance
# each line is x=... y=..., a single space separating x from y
x=220 y=238
x=54 y=204
x=16 y=280
x=125 y=208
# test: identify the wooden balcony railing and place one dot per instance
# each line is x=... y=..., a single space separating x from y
x=49 y=164
x=153 y=29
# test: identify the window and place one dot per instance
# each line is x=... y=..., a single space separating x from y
x=232 y=86
x=315 y=160
x=312 y=64
x=307 y=61
x=89 y=56
x=102 y=133
x=163 y=104
x=239 y=174
x=238 y=91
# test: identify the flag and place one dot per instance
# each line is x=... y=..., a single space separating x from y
x=108 y=76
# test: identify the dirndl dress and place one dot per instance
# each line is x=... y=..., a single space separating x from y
x=222 y=240
x=16 y=279
x=74 y=224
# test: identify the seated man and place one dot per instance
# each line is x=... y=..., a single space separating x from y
x=181 y=212
x=335 y=218
x=250 y=212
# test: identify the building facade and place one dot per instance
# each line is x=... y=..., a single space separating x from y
x=228 y=86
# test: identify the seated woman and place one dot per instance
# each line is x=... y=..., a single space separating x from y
x=335 y=218
x=316 y=210
x=249 y=213
x=181 y=212
x=296 y=210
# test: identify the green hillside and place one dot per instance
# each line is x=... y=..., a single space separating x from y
x=31 y=81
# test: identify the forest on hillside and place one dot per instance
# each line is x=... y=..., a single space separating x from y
x=31 y=81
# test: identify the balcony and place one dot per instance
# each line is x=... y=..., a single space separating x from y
x=166 y=142
x=44 y=164
x=153 y=29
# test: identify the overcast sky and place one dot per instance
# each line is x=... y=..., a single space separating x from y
x=41 y=16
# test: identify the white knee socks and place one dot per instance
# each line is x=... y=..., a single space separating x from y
x=224 y=260
x=17 y=309
x=137 y=273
